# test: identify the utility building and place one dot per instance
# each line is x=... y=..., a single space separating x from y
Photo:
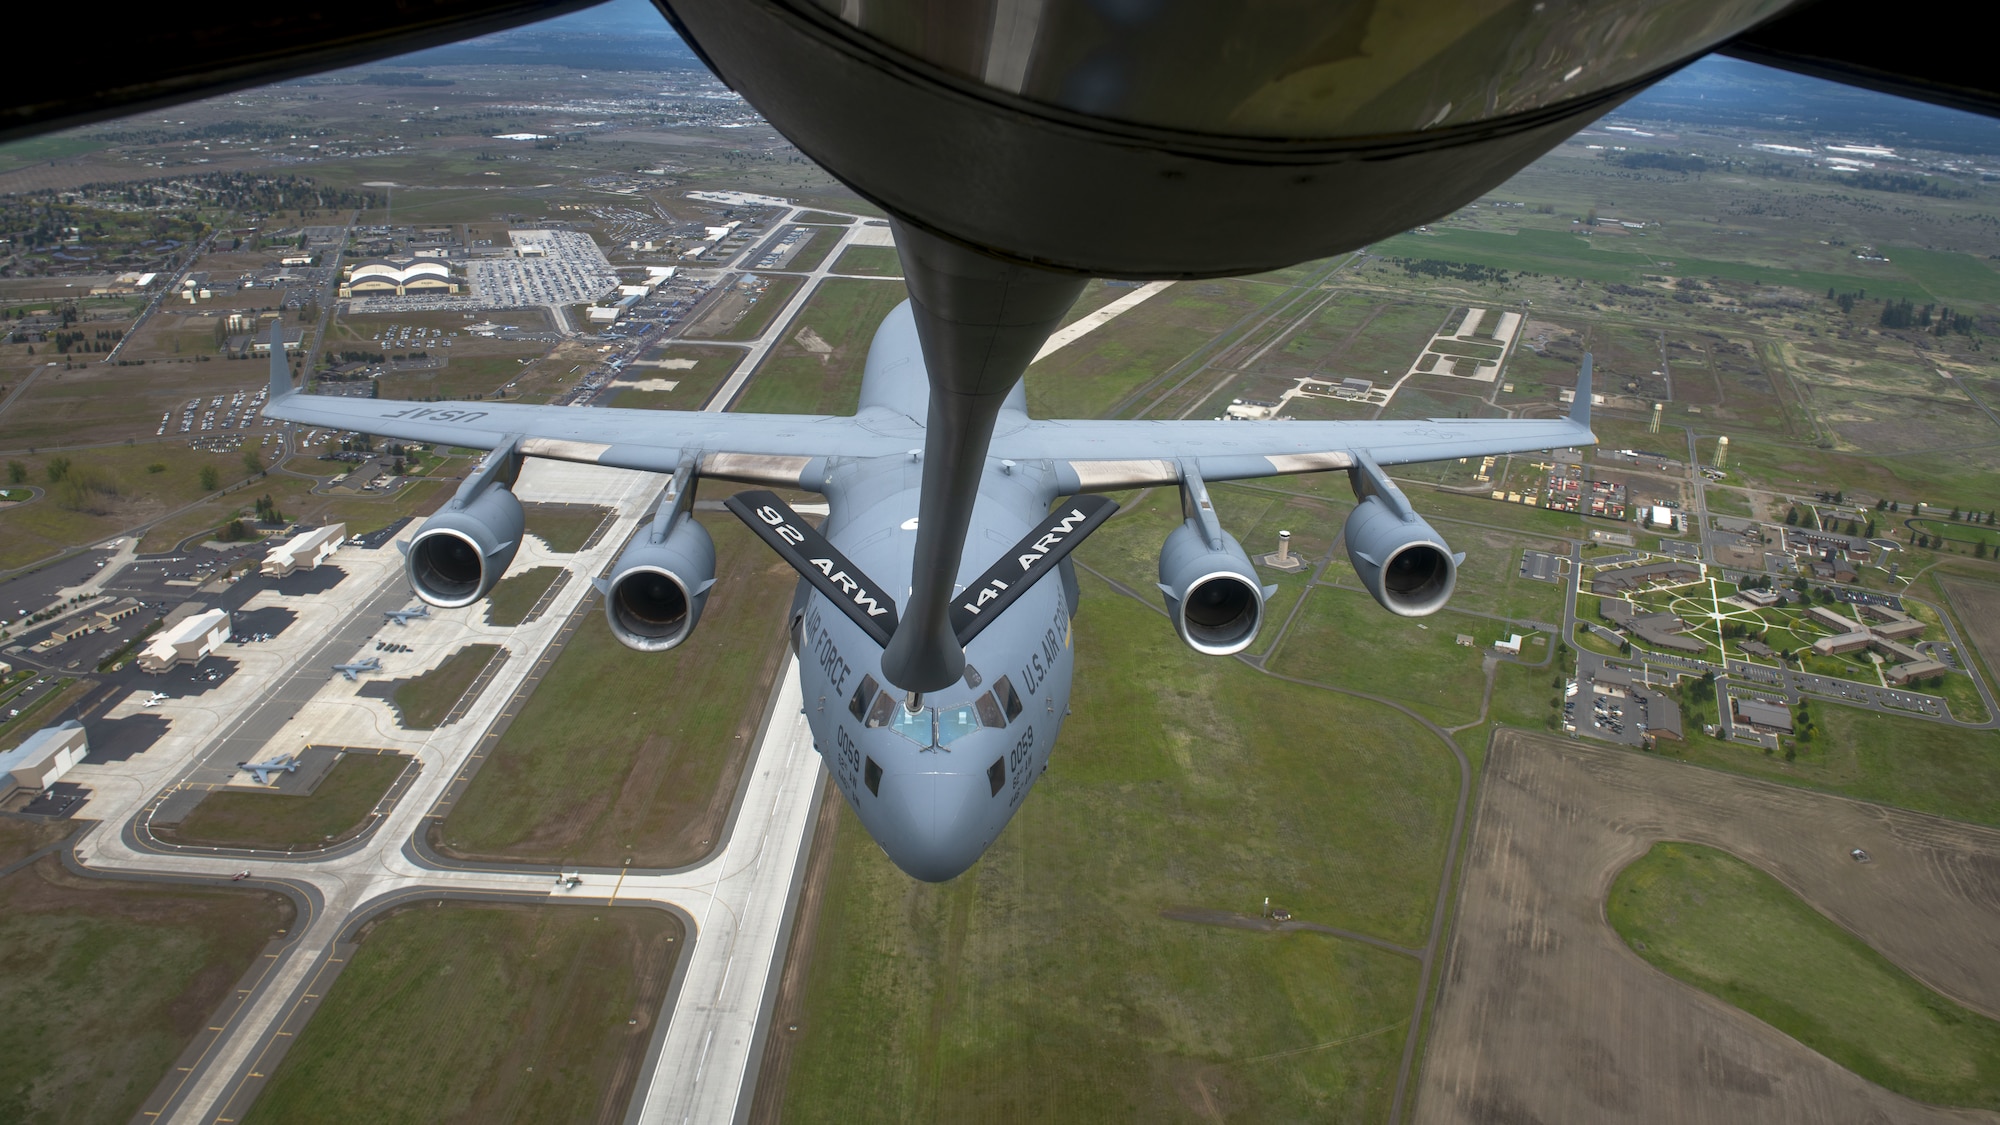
x=186 y=643
x=43 y=759
x=305 y=550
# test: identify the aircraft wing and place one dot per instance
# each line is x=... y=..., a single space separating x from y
x=1102 y=456
x=770 y=449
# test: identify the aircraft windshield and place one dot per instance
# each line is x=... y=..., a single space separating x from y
x=954 y=723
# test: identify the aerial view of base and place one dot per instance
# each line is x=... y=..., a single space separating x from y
x=781 y=562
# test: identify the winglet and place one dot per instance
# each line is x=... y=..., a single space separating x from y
x=281 y=368
x=1579 y=410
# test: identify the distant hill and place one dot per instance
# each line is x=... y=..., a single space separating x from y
x=621 y=35
x=1720 y=91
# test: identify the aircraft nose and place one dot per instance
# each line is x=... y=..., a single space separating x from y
x=933 y=824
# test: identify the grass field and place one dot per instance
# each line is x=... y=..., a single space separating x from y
x=1043 y=985
x=334 y=810
x=423 y=702
x=482 y=1013
x=1928 y=767
x=103 y=983
x=816 y=248
x=516 y=594
x=843 y=314
x=363 y=515
x=123 y=490
x=1342 y=637
x=625 y=754
x=755 y=319
x=869 y=261
x=1724 y=926
x=564 y=527
x=692 y=385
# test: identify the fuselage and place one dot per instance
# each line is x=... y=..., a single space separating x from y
x=933 y=786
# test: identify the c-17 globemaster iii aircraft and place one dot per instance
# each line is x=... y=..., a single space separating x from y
x=935 y=774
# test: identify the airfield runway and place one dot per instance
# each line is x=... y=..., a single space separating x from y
x=1545 y=1015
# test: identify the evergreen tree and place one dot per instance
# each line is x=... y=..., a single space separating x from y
x=1791 y=517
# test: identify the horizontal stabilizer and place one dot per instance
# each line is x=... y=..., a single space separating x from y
x=829 y=571
x=1036 y=555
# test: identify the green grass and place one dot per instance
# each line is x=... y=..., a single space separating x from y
x=16 y=155
x=824 y=217
x=516 y=594
x=842 y=312
x=423 y=702
x=869 y=261
x=815 y=250
x=1885 y=757
x=1563 y=254
x=1342 y=637
x=1043 y=985
x=758 y=317
x=338 y=807
x=1705 y=917
x=477 y=1013
x=620 y=753
x=693 y=386
x=564 y=527
x=103 y=984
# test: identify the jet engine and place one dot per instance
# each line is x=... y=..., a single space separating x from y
x=458 y=554
x=655 y=593
x=1212 y=590
x=1400 y=559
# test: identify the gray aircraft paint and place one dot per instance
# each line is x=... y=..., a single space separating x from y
x=933 y=809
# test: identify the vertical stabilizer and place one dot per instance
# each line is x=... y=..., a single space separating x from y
x=1579 y=410
x=281 y=368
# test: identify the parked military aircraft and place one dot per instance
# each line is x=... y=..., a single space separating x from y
x=155 y=699
x=405 y=616
x=262 y=771
x=354 y=669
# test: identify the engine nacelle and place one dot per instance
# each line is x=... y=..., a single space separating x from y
x=1403 y=563
x=1213 y=595
x=654 y=596
x=458 y=554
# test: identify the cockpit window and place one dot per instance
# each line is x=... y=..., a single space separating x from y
x=971 y=676
x=1003 y=690
x=872 y=777
x=996 y=775
x=954 y=723
x=989 y=711
x=878 y=715
x=862 y=694
x=915 y=727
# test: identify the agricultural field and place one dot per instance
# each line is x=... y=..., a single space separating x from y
x=1692 y=912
